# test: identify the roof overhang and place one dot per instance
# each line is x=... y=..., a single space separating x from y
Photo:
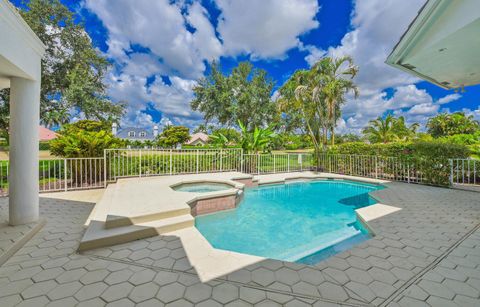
x=20 y=49
x=442 y=44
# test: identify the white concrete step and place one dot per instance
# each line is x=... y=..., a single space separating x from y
x=113 y=221
x=97 y=235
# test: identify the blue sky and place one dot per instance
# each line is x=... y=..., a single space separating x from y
x=160 y=48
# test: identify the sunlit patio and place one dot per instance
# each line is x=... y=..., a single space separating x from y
x=425 y=253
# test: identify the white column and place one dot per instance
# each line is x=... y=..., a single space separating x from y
x=24 y=120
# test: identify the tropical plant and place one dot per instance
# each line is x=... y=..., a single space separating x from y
x=173 y=135
x=84 y=138
x=231 y=134
x=256 y=140
x=446 y=124
x=244 y=96
x=300 y=110
x=55 y=117
x=403 y=131
x=389 y=129
x=313 y=98
x=219 y=140
x=332 y=81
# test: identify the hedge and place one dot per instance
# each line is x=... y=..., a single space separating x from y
x=431 y=157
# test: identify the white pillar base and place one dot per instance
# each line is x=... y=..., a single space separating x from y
x=23 y=175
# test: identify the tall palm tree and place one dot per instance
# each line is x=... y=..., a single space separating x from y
x=333 y=79
x=381 y=130
x=55 y=117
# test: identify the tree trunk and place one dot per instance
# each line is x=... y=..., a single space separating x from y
x=332 y=132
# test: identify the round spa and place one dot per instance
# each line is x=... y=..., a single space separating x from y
x=201 y=187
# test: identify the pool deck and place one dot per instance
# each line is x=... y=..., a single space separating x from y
x=426 y=252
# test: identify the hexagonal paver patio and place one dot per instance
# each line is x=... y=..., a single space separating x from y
x=428 y=253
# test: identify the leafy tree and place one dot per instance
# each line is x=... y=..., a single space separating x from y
x=348 y=138
x=258 y=139
x=85 y=138
x=244 y=96
x=291 y=141
x=72 y=69
x=173 y=135
x=446 y=124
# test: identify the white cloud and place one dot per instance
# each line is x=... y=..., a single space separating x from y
x=267 y=28
x=416 y=105
x=159 y=26
x=377 y=27
x=449 y=98
x=158 y=38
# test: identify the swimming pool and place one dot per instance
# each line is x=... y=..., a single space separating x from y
x=299 y=221
x=202 y=187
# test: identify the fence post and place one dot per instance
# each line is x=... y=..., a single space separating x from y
x=408 y=172
x=221 y=160
x=65 y=174
x=258 y=163
x=171 y=157
x=197 y=160
x=301 y=162
x=288 y=163
x=140 y=164
x=242 y=156
x=451 y=171
x=104 y=168
x=274 y=168
x=376 y=167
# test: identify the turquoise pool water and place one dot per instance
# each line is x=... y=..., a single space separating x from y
x=202 y=187
x=301 y=221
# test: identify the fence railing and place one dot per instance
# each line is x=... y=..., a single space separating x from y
x=154 y=162
x=86 y=173
x=62 y=174
x=276 y=163
x=464 y=172
x=386 y=168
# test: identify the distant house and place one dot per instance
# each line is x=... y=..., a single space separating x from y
x=198 y=139
x=135 y=134
x=45 y=134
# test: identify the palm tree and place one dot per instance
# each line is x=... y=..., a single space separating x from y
x=446 y=124
x=55 y=117
x=381 y=130
x=332 y=81
x=402 y=131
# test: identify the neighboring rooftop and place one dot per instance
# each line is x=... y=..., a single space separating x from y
x=136 y=134
x=199 y=138
x=441 y=45
x=46 y=134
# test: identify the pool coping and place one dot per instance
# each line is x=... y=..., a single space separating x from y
x=95 y=236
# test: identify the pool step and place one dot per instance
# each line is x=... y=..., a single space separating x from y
x=97 y=235
x=113 y=221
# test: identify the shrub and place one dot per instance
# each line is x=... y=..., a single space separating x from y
x=44 y=146
x=431 y=158
x=85 y=138
x=378 y=149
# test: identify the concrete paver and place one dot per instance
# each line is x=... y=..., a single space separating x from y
x=426 y=253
